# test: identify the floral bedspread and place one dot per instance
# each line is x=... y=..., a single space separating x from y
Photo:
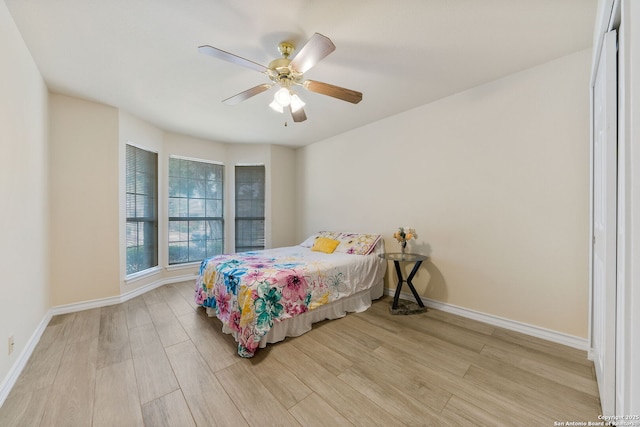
x=250 y=291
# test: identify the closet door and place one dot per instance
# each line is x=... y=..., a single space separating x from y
x=603 y=328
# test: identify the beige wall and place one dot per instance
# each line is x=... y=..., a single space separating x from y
x=282 y=207
x=24 y=254
x=84 y=200
x=494 y=179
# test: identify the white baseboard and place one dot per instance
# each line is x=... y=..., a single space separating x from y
x=9 y=381
x=103 y=302
x=512 y=325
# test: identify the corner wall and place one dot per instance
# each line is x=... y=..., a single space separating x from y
x=495 y=180
x=24 y=216
x=84 y=200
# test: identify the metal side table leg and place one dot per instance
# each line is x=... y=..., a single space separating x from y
x=413 y=290
x=396 y=296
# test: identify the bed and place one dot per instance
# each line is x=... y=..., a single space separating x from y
x=265 y=296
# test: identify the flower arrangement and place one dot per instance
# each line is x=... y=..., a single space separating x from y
x=403 y=235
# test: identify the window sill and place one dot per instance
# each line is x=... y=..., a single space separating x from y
x=131 y=278
x=183 y=266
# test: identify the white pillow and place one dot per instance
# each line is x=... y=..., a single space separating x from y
x=310 y=241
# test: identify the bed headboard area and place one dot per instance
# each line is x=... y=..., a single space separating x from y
x=348 y=243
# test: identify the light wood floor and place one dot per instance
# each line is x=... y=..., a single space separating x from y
x=157 y=360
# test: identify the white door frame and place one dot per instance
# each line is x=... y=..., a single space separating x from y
x=604 y=219
x=625 y=16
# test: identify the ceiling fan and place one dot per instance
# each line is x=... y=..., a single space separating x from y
x=286 y=74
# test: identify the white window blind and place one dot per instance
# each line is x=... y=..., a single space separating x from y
x=250 y=207
x=141 y=209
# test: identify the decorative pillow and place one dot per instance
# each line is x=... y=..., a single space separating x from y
x=312 y=239
x=357 y=243
x=326 y=245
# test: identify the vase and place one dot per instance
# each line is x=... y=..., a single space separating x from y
x=403 y=247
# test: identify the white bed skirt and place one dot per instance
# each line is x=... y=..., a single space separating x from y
x=302 y=323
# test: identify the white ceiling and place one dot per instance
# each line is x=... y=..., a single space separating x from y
x=141 y=55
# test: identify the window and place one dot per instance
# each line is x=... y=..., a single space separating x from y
x=249 y=208
x=196 y=224
x=141 y=209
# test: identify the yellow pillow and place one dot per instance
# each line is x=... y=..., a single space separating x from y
x=326 y=245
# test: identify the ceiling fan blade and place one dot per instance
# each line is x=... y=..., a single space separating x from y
x=335 y=91
x=299 y=115
x=243 y=96
x=230 y=57
x=316 y=48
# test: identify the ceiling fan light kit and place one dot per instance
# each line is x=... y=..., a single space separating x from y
x=296 y=103
x=276 y=107
x=283 y=97
x=286 y=73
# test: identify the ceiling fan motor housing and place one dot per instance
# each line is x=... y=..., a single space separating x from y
x=281 y=73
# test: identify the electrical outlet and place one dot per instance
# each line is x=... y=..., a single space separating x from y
x=11 y=344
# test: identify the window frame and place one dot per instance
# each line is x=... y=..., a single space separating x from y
x=188 y=219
